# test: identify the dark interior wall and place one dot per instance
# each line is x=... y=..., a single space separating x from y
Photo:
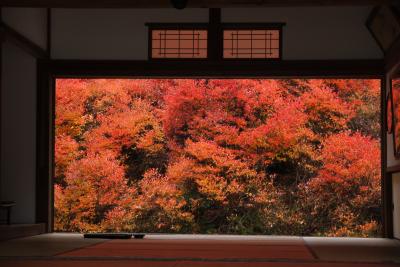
x=310 y=33
x=18 y=109
x=18 y=112
x=316 y=32
x=30 y=22
x=114 y=34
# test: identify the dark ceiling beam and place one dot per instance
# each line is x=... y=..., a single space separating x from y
x=191 y=3
x=8 y=34
x=236 y=69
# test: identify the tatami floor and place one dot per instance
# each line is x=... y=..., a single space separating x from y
x=72 y=250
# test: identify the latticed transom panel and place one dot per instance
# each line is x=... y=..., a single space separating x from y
x=187 y=43
x=251 y=44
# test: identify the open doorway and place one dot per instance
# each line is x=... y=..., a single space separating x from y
x=218 y=156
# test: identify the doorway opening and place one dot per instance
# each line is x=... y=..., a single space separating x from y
x=218 y=156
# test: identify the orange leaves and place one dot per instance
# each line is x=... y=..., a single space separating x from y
x=362 y=87
x=212 y=158
x=351 y=160
x=210 y=110
x=94 y=185
x=136 y=127
x=282 y=130
x=252 y=156
x=327 y=112
x=396 y=112
x=159 y=208
x=70 y=106
x=348 y=183
x=350 y=156
x=66 y=150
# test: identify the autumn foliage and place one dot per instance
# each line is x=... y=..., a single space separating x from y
x=394 y=114
x=232 y=156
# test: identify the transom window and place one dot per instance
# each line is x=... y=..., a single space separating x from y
x=251 y=44
x=215 y=41
x=186 y=43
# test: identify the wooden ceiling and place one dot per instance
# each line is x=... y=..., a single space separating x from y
x=191 y=3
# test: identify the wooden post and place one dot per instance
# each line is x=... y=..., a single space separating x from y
x=214 y=35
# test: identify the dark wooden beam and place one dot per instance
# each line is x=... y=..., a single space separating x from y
x=214 y=32
x=44 y=147
x=200 y=68
x=387 y=205
x=191 y=3
x=393 y=169
x=386 y=191
x=1 y=115
x=48 y=70
x=8 y=34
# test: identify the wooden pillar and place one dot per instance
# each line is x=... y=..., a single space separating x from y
x=1 y=92
x=214 y=35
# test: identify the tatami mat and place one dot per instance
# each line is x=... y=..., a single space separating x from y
x=355 y=249
x=132 y=263
x=72 y=250
x=44 y=245
x=198 y=249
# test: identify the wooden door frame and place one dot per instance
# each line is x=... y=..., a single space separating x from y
x=50 y=70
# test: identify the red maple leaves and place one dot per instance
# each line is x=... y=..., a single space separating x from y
x=218 y=156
